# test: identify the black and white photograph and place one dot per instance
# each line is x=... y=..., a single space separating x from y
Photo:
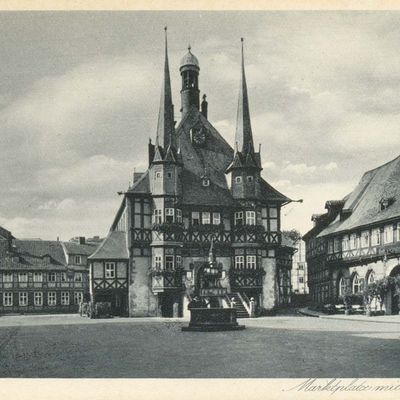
x=201 y=194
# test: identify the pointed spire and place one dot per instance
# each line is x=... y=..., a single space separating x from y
x=244 y=136
x=165 y=127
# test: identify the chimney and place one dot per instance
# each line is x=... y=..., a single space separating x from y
x=204 y=106
x=82 y=240
x=151 y=152
x=137 y=176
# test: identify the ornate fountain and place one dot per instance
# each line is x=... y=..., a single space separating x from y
x=207 y=311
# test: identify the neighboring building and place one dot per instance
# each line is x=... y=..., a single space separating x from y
x=158 y=245
x=299 y=270
x=42 y=276
x=358 y=240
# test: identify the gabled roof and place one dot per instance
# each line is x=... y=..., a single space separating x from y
x=81 y=249
x=113 y=247
x=40 y=249
x=271 y=194
x=142 y=185
x=195 y=193
x=363 y=203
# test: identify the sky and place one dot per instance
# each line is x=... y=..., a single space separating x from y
x=79 y=97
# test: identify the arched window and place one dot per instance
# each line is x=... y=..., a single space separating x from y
x=371 y=277
x=342 y=286
x=356 y=284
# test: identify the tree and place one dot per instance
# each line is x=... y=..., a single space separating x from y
x=294 y=235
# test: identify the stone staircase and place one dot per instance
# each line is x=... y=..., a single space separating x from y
x=241 y=310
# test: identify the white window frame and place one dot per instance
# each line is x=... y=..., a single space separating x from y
x=110 y=270
x=169 y=215
x=239 y=262
x=169 y=262
x=206 y=182
x=64 y=277
x=78 y=260
x=216 y=218
x=345 y=243
x=273 y=212
x=178 y=261
x=78 y=297
x=388 y=234
x=53 y=276
x=251 y=262
x=195 y=217
x=158 y=174
x=238 y=179
x=371 y=277
x=376 y=237
x=158 y=216
x=365 y=239
x=178 y=216
x=37 y=277
x=8 y=299
x=330 y=246
x=8 y=277
x=158 y=262
x=250 y=178
x=250 y=217
x=65 y=298
x=238 y=217
x=20 y=275
x=38 y=298
x=206 y=218
x=356 y=284
x=23 y=299
x=51 y=299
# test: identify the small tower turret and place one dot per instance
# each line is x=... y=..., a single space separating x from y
x=246 y=164
x=190 y=93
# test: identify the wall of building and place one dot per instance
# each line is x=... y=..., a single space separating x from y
x=142 y=301
x=269 y=283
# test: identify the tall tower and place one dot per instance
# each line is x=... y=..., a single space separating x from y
x=190 y=93
x=246 y=163
x=165 y=166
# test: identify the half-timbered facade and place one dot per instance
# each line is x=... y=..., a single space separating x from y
x=197 y=190
x=358 y=240
x=42 y=276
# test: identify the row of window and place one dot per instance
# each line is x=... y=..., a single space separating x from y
x=249 y=178
x=214 y=218
x=170 y=262
x=8 y=277
x=251 y=262
x=8 y=298
x=366 y=239
x=171 y=215
x=357 y=283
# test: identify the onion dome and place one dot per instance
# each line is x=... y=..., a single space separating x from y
x=189 y=59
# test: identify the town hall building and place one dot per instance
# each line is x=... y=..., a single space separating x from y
x=199 y=199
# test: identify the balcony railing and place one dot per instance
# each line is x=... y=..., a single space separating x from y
x=246 y=278
x=166 y=280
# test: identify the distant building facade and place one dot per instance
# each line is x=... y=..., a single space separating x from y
x=299 y=269
x=357 y=240
x=155 y=254
x=42 y=276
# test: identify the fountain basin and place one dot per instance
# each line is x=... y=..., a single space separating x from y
x=212 y=319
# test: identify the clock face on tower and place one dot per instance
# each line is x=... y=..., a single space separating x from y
x=198 y=135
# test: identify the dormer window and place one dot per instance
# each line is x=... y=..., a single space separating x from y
x=206 y=182
x=78 y=260
x=385 y=202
